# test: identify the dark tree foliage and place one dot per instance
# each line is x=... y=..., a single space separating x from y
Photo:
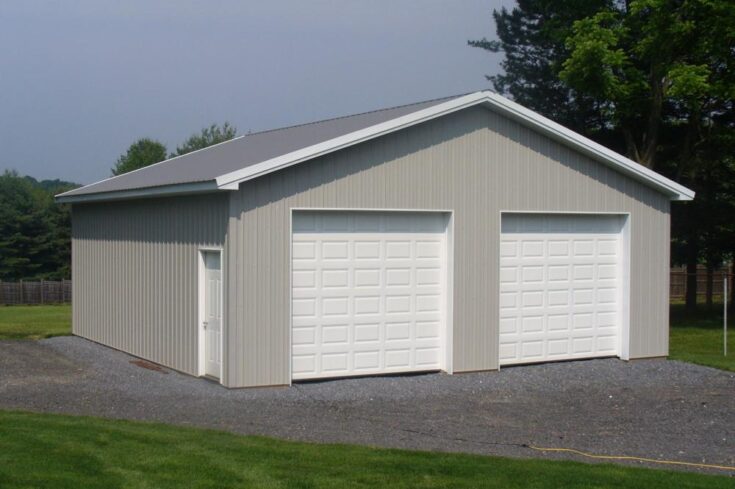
x=654 y=79
x=208 y=136
x=143 y=152
x=34 y=231
x=532 y=38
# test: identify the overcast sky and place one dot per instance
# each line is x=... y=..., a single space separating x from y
x=81 y=80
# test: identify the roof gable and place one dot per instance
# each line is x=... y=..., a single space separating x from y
x=226 y=165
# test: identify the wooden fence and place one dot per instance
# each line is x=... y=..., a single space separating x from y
x=678 y=283
x=53 y=292
x=43 y=292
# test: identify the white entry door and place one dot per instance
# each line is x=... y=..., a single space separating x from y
x=561 y=287
x=212 y=313
x=368 y=293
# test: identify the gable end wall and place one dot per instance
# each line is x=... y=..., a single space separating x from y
x=473 y=162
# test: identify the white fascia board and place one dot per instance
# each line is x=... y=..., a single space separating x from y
x=231 y=181
x=165 y=190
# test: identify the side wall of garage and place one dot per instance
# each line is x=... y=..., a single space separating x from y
x=134 y=269
x=475 y=163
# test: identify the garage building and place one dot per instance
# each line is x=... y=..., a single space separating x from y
x=460 y=234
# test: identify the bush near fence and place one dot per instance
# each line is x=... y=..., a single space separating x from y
x=43 y=292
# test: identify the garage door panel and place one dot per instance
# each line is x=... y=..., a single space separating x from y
x=543 y=335
x=367 y=360
x=559 y=287
x=428 y=357
x=303 y=307
x=303 y=336
x=532 y=324
x=558 y=323
x=507 y=352
x=532 y=350
x=368 y=292
x=508 y=325
x=397 y=359
x=557 y=348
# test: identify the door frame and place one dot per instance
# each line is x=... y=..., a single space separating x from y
x=201 y=290
x=623 y=293
x=447 y=335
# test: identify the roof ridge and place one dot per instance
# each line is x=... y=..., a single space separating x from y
x=353 y=115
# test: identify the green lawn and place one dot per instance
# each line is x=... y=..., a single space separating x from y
x=38 y=450
x=34 y=322
x=697 y=338
x=41 y=450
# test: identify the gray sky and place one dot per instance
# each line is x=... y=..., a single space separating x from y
x=80 y=81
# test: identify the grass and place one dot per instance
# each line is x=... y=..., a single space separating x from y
x=41 y=450
x=697 y=337
x=34 y=322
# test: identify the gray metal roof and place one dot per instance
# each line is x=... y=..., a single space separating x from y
x=209 y=163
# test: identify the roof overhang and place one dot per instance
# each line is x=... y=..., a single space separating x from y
x=139 y=193
x=492 y=101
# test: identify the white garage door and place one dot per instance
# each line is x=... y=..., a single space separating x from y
x=368 y=293
x=560 y=287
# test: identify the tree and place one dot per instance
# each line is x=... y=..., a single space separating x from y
x=34 y=232
x=56 y=261
x=532 y=37
x=652 y=63
x=143 y=152
x=208 y=136
x=651 y=78
x=662 y=71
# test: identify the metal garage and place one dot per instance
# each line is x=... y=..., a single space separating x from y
x=458 y=234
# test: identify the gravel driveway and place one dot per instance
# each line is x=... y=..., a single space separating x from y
x=656 y=408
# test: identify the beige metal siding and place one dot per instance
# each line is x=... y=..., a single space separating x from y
x=134 y=270
x=475 y=163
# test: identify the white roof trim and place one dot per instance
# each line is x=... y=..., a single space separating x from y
x=493 y=101
x=231 y=181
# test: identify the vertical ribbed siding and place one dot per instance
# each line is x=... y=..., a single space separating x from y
x=134 y=272
x=475 y=163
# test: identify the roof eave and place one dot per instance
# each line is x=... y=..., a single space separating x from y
x=160 y=191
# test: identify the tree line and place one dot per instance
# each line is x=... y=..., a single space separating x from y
x=651 y=79
x=35 y=231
